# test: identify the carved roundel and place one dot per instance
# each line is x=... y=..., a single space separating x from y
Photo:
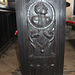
x=41 y=15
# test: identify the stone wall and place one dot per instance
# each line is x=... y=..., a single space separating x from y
x=69 y=10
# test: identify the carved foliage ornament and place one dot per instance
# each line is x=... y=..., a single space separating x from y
x=41 y=26
x=41 y=15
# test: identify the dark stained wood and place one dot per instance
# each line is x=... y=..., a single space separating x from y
x=41 y=34
x=7 y=27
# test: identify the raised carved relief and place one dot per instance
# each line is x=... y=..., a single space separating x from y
x=41 y=28
x=41 y=39
x=41 y=15
x=40 y=19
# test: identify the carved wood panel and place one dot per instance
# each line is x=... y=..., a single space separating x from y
x=41 y=31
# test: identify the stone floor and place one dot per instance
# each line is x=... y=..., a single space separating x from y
x=9 y=64
x=8 y=61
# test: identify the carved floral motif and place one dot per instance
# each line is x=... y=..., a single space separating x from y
x=40 y=35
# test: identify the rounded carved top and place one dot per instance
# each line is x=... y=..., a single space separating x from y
x=41 y=15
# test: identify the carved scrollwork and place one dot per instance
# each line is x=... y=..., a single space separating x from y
x=34 y=34
x=41 y=26
x=41 y=39
x=49 y=34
